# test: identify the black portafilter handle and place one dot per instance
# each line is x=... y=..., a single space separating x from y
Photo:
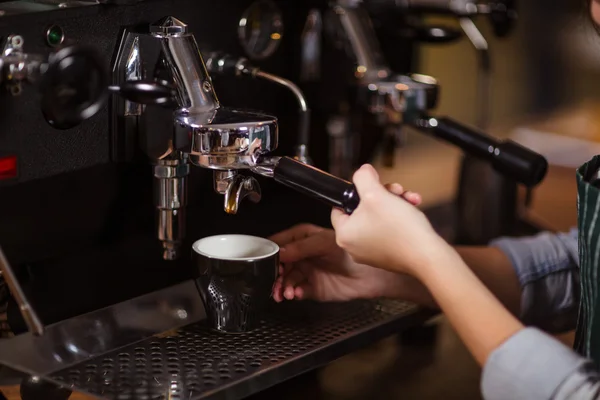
x=316 y=183
x=507 y=157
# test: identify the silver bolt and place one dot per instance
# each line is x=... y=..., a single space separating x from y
x=16 y=42
x=206 y=86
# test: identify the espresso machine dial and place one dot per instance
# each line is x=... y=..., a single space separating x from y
x=261 y=29
x=70 y=81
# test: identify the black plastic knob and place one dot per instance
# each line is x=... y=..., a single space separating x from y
x=73 y=87
x=503 y=15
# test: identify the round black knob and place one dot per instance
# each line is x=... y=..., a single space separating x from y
x=73 y=87
x=503 y=15
x=34 y=388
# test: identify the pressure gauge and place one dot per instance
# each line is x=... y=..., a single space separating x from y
x=261 y=29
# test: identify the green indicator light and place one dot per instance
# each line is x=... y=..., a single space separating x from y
x=55 y=36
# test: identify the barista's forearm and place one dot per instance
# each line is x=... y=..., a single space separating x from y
x=489 y=264
x=475 y=313
x=494 y=269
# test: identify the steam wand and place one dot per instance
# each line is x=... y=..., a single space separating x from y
x=224 y=64
x=484 y=86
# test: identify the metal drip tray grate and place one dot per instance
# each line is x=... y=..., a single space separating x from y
x=196 y=362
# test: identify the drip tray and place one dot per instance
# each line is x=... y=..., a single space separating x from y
x=196 y=362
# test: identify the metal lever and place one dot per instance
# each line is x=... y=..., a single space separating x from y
x=29 y=315
x=146 y=92
x=484 y=86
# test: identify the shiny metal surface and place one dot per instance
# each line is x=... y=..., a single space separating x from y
x=195 y=92
x=402 y=98
x=291 y=86
x=197 y=362
x=133 y=72
x=16 y=66
x=236 y=187
x=310 y=69
x=30 y=317
x=229 y=139
x=225 y=64
x=484 y=78
x=82 y=338
x=207 y=134
x=365 y=46
x=127 y=66
x=301 y=154
x=170 y=199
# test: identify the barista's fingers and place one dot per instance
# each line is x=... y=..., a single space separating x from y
x=290 y=281
x=413 y=198
x=395 y=188
x=304 y=292
x=277 y=292
x=315 y=245
x=295 y=233
x=338 y=217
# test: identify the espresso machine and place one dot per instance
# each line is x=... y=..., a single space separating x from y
x=119 y=149
x=131 y=129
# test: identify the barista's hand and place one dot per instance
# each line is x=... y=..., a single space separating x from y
x=316 y=267
x=386 y=231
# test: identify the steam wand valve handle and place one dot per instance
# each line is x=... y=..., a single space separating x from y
x=146 y=92
x=507 y=157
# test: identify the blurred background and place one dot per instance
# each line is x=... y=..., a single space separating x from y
x=544 y=82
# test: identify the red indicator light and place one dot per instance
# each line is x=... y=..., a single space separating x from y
x=8 y=167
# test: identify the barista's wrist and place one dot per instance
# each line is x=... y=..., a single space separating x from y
x=438 y=254
x=407 y=288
